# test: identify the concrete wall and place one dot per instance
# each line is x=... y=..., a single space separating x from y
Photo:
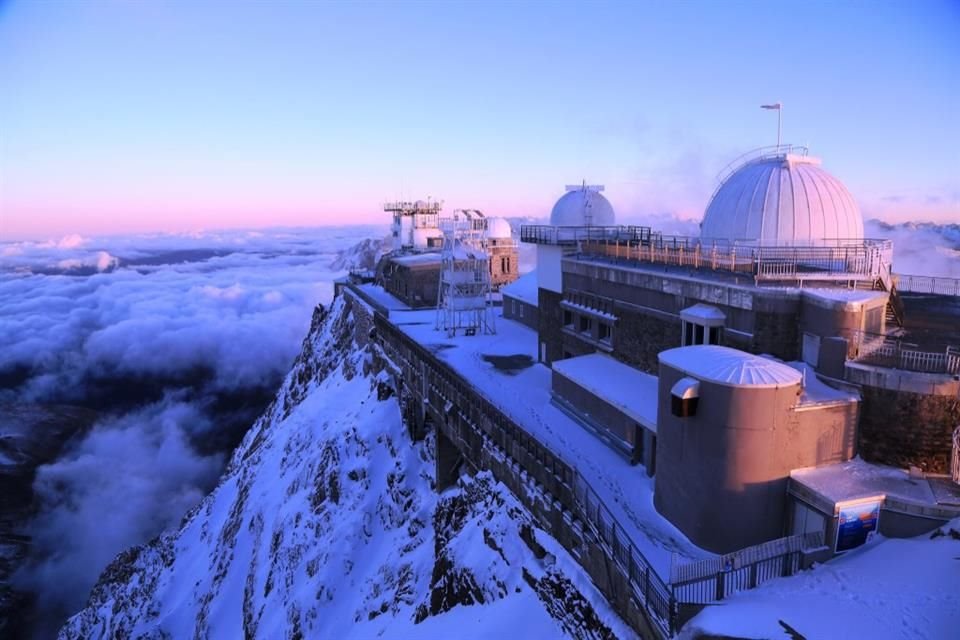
x=504 y=263
x=549 y=325
x=617 y=424
x=549 y=274
x=834 y=318
x=639 y=337
x=903 y=429
x=416 y=287
x=648 y=306
x=520 y=311
x=722 y=474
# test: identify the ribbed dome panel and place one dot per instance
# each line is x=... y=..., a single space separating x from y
x=784 y=200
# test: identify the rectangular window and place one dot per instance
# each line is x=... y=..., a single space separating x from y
x=697 y=334
x=603 y=332
x=521 y=309
x=567 y=318
x=586 y=325
x=714 y=335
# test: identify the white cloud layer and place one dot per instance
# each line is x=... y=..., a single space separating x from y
x=232 y=305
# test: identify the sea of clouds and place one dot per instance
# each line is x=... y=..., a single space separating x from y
x=178 y=341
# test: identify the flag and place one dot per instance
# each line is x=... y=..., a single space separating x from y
x=775 y=105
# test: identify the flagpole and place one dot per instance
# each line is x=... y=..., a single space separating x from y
x=779 y=123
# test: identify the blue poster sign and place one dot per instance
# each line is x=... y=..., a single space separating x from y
x=856 y=524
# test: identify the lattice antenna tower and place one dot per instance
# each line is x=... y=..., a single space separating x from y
x=464 y=301
x=587 y=203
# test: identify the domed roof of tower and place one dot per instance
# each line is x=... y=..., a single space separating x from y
x=582 y=205
x=782 y=199
x=499 y=228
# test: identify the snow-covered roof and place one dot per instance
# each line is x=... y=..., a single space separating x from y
x=499 y=228
x=784 y=200
x=629 y=390
x=704 y=313
x=817 y=392
x=852 y=297
x=523 y=288
x=582 y=206
x=723 y=365
x=856 y=479
x=417 y=259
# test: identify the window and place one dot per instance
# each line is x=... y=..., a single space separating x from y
x=603 y=330
x=586 y=324
x=521 y=309
x=567 y=318
x=695 y=333
x=513 y=306
x=505 y=264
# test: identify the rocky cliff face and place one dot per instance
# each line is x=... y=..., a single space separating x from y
x=326 y=524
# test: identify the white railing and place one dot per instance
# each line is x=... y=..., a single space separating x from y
x=941 y=286
x=897 y=353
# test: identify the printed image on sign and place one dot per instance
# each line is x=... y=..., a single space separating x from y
x=856 y=525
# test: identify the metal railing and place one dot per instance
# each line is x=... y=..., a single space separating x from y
x=862 y=260
x=937 y=285
x=564 y=235
x=718 y=578
x=897 y=352
x=646 y=584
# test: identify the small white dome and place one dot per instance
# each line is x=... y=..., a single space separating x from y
x=582 y=206
x=785 y=199
x=499 y=228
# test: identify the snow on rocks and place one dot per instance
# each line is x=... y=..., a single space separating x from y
x=326 y=524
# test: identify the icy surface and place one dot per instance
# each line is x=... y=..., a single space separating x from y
x=845 y=295
x=525 y=396
x=523 y=288
x=628 y=389
x=379 y=295
x=418 y=259
x=724 y=365
x=908 y=588
x=815 y=391
x=859 y=479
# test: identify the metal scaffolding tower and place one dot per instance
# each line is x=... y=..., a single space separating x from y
x=464 y=300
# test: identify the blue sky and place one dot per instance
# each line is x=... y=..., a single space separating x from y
x=122 y=116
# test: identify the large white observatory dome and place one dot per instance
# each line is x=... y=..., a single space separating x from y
x=782 y=199
x=580 y=206
x=499 y=228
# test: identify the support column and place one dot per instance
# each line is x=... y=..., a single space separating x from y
x=447 y=460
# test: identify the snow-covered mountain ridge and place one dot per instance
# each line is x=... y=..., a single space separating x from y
x=326 y=524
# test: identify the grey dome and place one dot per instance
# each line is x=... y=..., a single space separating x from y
x=784 y=199
x=581 y=206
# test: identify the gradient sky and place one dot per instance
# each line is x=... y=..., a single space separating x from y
x=130 y=116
